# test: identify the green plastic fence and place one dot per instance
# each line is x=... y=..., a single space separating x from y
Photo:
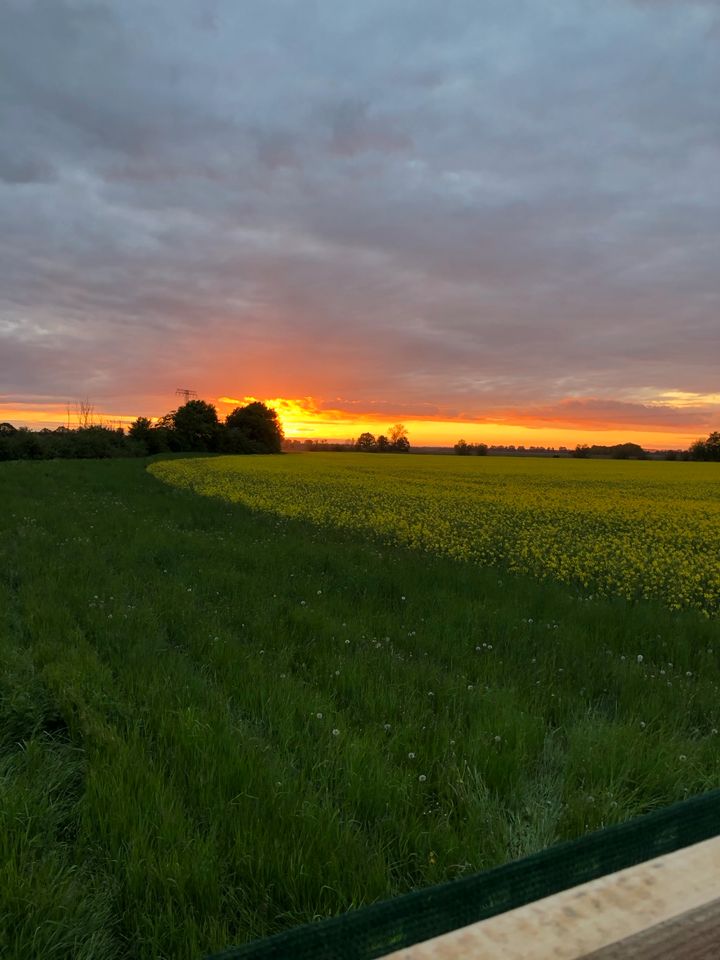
x=378 y=929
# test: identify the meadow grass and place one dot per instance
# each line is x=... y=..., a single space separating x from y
x=218 y=723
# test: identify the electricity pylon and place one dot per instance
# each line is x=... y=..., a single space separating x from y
x=187 y=394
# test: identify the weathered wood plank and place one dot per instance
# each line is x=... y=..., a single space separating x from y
x=677 y=890
x=691 y=936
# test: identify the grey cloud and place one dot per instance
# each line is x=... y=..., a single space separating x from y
x=458 y=205
x=19 y=168
x=276 y=148
x=355 y=131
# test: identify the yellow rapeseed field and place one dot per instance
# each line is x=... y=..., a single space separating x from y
x=634 y=529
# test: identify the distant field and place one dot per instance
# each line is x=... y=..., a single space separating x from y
x=631 y=529
x=217 y=722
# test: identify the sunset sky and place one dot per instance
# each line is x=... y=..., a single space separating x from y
x=495 y=219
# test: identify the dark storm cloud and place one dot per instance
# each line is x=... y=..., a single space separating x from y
x=472 y=206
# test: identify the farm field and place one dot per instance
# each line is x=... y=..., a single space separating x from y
x=632 y=529
x=217 y=722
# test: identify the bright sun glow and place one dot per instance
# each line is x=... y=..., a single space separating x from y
x=304 y=418
x=308 y=417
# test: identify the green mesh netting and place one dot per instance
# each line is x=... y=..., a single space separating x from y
x=383 y=927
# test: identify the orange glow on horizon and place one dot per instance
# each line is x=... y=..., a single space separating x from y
x=306 y=418
x=54 y=415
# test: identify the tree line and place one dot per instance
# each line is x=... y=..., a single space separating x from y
x=397 y=441
x=708 y=450
x=463 y=449
x=254 y=428
x=620 y=451
x=193 y=428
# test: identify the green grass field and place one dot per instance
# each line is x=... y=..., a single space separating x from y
x=218 y=723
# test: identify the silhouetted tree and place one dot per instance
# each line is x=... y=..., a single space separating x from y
x=383 y=444
x=85 y=413
x=196 y=426
x=399 y=438
x=706 y=449
x=154 y=439
x=366 y=442
x=23 y=445
x=628 y=451
x=463 y=449
x=96 y=442
x=254 y=428
x=140 y=429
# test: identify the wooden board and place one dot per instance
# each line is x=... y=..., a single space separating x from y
x=674 y=899
x=694 y=935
